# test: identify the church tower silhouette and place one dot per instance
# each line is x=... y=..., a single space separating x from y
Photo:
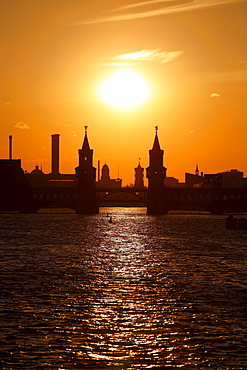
x=139 y=182
x=156 y=173
x=87 y=202
x=197 y=173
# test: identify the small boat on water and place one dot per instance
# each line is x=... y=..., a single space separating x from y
x=233 y=223
x=110 y=220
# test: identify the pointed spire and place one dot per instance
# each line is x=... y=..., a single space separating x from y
x=139 y=164
x=85 y=145
x=197 y=170
x=156 y=140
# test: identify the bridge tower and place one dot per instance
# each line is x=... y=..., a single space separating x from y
x=87 y=202
x=156 y=173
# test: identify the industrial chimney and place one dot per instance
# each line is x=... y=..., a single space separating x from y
x=98 y=170
x=10 y=147
x=55 y=154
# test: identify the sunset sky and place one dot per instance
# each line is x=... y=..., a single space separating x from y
x=190 y=55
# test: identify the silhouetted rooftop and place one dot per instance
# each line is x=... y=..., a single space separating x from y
x=37 y=171
x=156 y=143
x=85 y=145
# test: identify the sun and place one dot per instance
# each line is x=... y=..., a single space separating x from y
x=124 y=89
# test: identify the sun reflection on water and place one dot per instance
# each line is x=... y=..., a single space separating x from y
x=130 y=314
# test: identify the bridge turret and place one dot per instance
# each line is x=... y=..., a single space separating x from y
x=86 y=176
x=156 y=173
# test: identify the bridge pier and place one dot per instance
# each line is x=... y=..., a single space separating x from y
x=87 y=202
x=156 y=203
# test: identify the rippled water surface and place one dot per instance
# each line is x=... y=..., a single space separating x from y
x=143 y=292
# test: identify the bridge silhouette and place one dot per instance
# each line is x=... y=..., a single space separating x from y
x=197 y=199
x=83 y=196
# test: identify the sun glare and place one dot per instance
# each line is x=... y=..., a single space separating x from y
x=124 y=89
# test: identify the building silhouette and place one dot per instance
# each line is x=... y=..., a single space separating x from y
x=172 y=182
x=227 y=179
x=139 y=176
x=28 y=192
x=12 y=183
x=105 y=181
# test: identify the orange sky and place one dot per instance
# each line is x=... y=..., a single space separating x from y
x=55 y=53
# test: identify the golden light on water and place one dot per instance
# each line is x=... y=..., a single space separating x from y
x=124 y=89
x=127 y=332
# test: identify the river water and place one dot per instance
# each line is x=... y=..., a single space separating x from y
x=142 y=292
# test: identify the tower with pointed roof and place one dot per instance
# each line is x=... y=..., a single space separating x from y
x=197 y=173
x=87 y=202
x=156 y=173
x=139 y=183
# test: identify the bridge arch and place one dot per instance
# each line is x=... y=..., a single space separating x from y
x=54 y=198
x=122 y=198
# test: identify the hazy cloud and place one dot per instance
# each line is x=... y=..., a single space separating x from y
x=153 y=55
x=237 y=75
x=22 y=125
x=135 y=11
x=214 y=95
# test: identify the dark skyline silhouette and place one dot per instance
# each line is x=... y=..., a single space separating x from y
x=80 y=191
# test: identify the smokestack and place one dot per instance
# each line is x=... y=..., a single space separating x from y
x=55 y=154
x=10 y=147
x=98 y=170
